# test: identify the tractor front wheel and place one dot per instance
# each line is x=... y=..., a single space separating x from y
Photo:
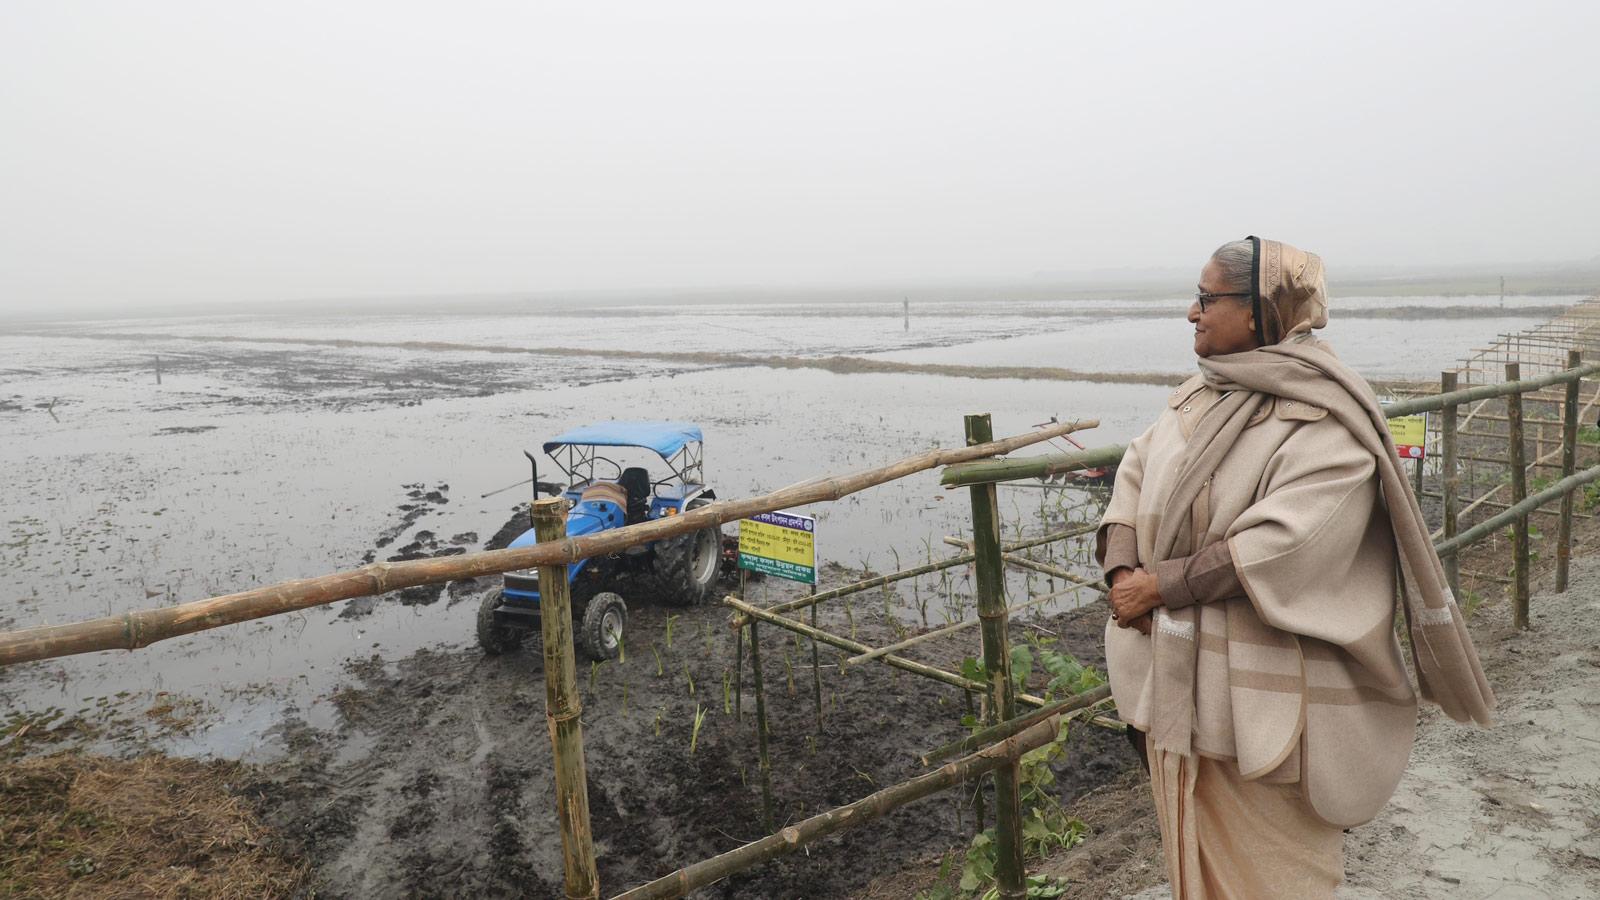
x=493 y=637
x=605 y=621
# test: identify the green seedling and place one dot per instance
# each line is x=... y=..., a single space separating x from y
x=670 y=620
x=594 y=670
x=694 y=735
x=660 y=670
x=689 y=677
x=659 y=712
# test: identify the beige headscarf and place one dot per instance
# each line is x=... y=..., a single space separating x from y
x=1288 y=292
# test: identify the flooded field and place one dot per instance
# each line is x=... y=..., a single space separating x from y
x=278 y=448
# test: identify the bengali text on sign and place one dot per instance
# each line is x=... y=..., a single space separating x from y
x=779 y=544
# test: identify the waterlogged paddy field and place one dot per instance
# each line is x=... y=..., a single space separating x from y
x=268 y=453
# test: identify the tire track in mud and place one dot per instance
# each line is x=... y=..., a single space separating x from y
x=839 y=365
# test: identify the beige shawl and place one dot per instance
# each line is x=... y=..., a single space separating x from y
x=1304 y=679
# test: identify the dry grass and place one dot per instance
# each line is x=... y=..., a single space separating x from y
x=75 y=825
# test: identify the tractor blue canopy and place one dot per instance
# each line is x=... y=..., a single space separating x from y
x=665 y=438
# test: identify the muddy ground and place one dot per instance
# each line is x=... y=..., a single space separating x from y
x=438 y=779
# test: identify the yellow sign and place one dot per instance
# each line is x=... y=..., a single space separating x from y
x=781 y=544
x=1410 y=435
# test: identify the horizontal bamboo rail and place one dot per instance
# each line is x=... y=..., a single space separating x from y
x=844 y=643
x=1032 y=467
x=141 y=628
x=738 y=622
x=1516 y=511
x=1437 y=402
x=851 y=815
x=985 y=736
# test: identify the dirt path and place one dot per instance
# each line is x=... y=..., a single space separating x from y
x=1509 y=812
x=1513 y=811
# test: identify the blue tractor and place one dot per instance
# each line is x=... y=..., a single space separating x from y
x=604 y=494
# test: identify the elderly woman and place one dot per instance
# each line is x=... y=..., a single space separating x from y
x=1253 y=542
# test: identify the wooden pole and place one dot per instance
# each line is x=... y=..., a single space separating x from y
x=1031 y=466
x=852 y=815
x=816 y=665
x=158 y=368
x=1450 y=477
x=1519 y=492
x=563 y=709
x=991 y=584
x=738 y=682
x=141 y=628
x=1569 y=463
x=761 y=728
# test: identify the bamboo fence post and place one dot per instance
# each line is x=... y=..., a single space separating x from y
x=761 y=728
x=1422 y=460
x=991 y=585
x=1519 y=492
x=816 y=665
x=563 y=709
x=1450 y=477
x=738 y=681
x=1569 y=463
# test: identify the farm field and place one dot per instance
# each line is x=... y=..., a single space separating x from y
x=395 y=756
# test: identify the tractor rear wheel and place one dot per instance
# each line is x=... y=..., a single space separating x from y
x=493 y=637
x=605 y=623
x=686 y=567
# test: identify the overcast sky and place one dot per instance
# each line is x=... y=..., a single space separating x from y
x=196 y=151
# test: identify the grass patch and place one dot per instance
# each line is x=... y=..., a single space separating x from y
x=75 y=825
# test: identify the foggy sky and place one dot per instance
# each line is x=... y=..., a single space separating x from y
x=212 y=151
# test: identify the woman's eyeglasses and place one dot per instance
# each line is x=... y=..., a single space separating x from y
x=1205 y=299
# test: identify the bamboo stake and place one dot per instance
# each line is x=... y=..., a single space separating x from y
x=986 y=736
x=816 y=666
x=881 y=580
x=898 y=662
x=761 y=729
x=991 y=584
x=851 y=815
x=1450 y=477
x=141 y=628
x=563 y=709
x=1519 y=492
x=1569 y=463
x=738 y=684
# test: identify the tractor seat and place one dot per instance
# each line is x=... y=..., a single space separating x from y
x=605 y=490
x=636 y=481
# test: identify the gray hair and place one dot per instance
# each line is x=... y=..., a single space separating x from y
x=1234 y=258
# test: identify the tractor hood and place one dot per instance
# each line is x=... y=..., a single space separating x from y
x=587 y=517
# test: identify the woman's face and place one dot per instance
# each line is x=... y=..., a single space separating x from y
x=1226 y=325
